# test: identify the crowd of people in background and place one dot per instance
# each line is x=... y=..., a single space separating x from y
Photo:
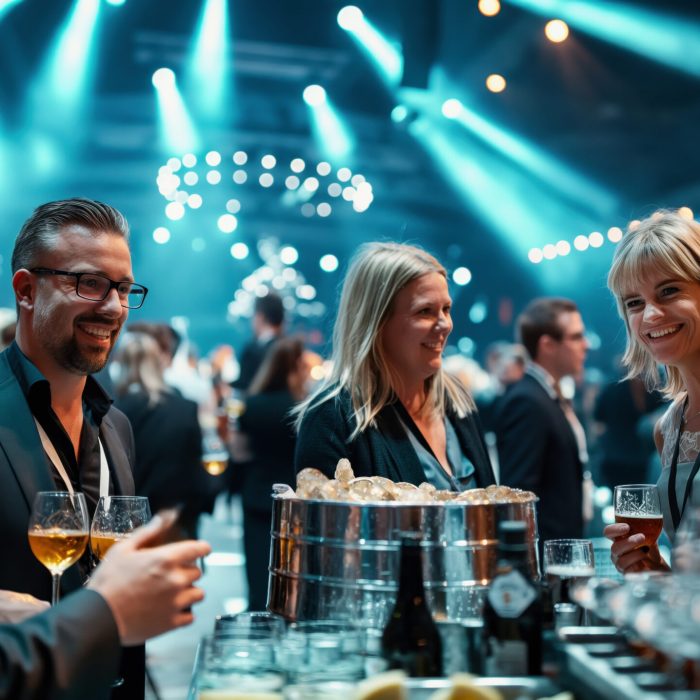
x=393 y=396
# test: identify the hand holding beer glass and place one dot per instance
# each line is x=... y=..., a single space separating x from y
x=634 y=547
x=638 y=506
x=58 y=532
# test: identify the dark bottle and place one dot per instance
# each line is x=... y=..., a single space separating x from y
x=513 y=609
x=411 y=640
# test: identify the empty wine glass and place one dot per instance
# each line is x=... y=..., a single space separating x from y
x=58 y=532
x=115 y=518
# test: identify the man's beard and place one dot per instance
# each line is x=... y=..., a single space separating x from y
x=69 y=354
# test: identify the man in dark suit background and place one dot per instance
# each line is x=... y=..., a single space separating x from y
x=73 y=288
x=268 y=326
x=541 y=445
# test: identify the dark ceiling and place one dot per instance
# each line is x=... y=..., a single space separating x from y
x=619 y=119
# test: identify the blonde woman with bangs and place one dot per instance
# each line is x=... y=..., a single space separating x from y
x=388 y=406
x=655 y=277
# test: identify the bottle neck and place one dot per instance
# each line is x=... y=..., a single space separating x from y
x=516 y=558
x=411 y=570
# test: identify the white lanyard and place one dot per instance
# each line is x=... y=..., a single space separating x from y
x=53 y=456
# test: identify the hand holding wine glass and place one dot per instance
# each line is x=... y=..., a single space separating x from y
x=638 y=524
x=115 y=518
x=58 y=532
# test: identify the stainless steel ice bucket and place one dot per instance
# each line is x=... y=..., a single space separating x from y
x=340 y=560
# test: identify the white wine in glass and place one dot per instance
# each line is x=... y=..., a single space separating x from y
x=58 y=532
x=115 y=518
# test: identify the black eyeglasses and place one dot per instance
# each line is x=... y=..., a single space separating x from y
x=95 y=287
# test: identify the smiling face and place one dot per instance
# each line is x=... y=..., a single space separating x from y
x=69 y=332
x=664 y=318
x=414 y=336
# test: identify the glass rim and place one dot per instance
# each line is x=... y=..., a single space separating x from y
x=578 y=540
x=59 y=493
x=122 y=497
x=636 y=486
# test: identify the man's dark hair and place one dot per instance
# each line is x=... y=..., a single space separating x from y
x=541 y=317
x=271 y=308
x=42 y=229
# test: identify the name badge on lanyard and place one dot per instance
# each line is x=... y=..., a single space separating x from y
x=56 y=461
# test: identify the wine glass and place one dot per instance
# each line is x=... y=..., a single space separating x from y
x=214 y=453
x=638 y=506
x=567 y=563
x=115 y=517
x=58 y=532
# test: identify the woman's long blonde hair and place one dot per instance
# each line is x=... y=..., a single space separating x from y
x=670 y=244
x=139 y=362
x=375 y=276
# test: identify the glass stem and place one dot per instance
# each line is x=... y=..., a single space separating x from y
x=55 y=588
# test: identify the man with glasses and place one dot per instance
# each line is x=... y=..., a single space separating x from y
x=73 y=288
x=541 y=443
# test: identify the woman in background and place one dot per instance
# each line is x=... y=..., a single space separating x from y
x=388 y=406
x=270 y=438
x=166 y=431
x=655 y=277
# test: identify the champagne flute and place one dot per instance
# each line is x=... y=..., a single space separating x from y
x=58 y=532
x=638 y=506
x=115 y=517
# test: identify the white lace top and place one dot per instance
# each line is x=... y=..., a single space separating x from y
x=687 y=453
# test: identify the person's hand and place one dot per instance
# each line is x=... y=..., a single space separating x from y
x=15 y=607
x=148 y=587
x=629 y=554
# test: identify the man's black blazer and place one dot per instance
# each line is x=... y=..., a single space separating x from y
x=537 y=451
x=24 y=471
x=383 y=450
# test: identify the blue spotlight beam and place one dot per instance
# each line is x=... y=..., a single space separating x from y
x=381 y=52
x=555 y=174
x=512 y=205
x=333 y=138
x=71 y=63
x=661 y=38
x=7 y=5
x=178 y=134
x=209 y=59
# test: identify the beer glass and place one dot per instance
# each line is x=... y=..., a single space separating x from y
x=567 y=562
x=638 y=506
x=58 y=532
x=115 y=517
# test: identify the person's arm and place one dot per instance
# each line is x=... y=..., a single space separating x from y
x=71 y=647
x=521 y=439
x=140 y=590
x=625 y=552
x=322 y=438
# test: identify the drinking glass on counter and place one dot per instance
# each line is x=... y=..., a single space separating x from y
x=567 y=563
x=115 y=518
x=58 y=532
x=638 y=506
x=322 y=651
x=240 y=666
x=262 y=622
